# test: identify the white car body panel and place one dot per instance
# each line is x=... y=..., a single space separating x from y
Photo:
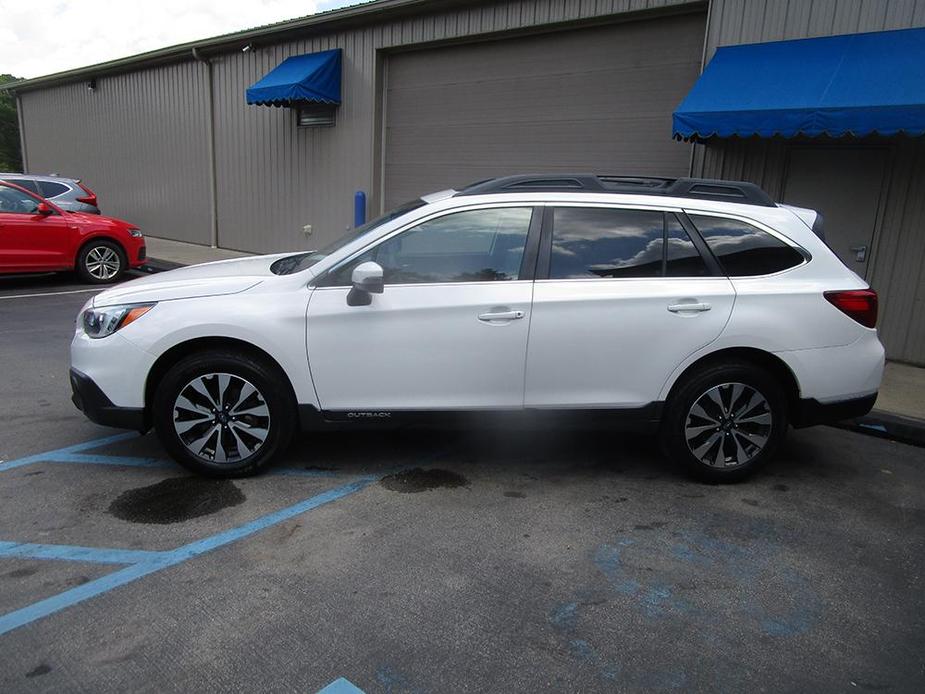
x=206 y=279
x=271 y=318
x=591 y=341
x=117 y=365
x=580 y=343
x=420 y=347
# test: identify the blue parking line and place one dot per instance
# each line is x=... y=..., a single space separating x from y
x=71 y=454
x=157 y=561
x=300 y=472
x=76 y=448
x=124 y=460
x=201 y=546
x=341 y=686
x=56 y=603
x=28 y=550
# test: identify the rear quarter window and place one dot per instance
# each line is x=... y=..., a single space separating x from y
x=50 y=189
x=744 y=250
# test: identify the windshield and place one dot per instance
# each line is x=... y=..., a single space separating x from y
x=300 y=261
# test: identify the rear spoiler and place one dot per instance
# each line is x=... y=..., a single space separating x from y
x=810 y=218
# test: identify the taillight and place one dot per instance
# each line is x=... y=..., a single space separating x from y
x=859 y=304
x=89 y=198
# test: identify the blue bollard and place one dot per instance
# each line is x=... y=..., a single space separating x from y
x=359 y=208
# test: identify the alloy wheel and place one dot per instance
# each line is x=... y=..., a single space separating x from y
x=103 y=262
x=221 y=418
x=728 y=425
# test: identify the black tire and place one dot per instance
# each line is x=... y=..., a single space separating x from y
x=90 y=267
x=740 y=428
x=274 y=395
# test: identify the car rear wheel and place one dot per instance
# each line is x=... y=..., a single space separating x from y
x=101 y=262
x=725 y=422
x=224 y=414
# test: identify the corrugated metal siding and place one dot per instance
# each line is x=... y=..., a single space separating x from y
x=897 y=266
x=141 y=139
x=275 y=178
x=898 y=263
x=138 y=140
x=596 y=98
x=753 y=21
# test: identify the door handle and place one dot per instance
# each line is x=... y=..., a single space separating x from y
x=500 y=315
x=681 y=308
x=860 y=253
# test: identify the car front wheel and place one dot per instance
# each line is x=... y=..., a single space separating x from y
x=725 y=422
x=101 y=262
x=224 y=414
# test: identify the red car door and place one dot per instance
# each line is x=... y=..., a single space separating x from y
x=30 y=240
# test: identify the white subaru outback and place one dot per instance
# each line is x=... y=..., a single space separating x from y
x=698 y=309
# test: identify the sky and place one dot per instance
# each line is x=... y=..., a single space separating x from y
x=45 y=36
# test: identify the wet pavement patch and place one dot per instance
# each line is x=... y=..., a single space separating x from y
x=42 y=669
x=176 y=500
x=418 y=480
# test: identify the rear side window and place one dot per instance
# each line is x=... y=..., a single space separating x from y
x=50 y=189
x=681 y=256
x=744 y=250
x=589 y=242
x=595 y=242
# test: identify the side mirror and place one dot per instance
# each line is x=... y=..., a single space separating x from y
x=367 y=279
x=44 y=209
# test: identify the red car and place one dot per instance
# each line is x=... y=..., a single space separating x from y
x=38 y=236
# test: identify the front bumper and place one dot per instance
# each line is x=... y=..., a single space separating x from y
x=811 y=411
x=92 y=401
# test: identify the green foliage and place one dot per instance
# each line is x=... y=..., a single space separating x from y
x=10 y=156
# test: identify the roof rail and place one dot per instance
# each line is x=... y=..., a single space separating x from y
x=696 y=188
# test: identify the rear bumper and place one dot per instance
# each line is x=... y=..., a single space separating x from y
x=92 y=401
x=811 y=411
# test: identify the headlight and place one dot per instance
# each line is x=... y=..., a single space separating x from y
x=135 y=232
x=100 y=322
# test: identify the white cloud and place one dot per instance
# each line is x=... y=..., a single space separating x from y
x=43 y=37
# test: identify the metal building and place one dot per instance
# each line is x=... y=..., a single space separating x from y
x=440 y=93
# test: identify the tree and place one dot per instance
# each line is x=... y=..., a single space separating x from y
x=10 y=154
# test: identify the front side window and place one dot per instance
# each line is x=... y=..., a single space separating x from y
x=16 y=202
x=300 y=261
x=26 y=183
x=592 y=242
x=471 y=246
x=744 y=250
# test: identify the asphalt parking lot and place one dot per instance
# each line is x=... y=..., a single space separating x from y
x=440 y=562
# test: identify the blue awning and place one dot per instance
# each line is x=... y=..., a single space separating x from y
x=310 y=77
x=857 y=84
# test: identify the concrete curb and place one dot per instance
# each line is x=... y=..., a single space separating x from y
x=153 y=265
x=888 y=426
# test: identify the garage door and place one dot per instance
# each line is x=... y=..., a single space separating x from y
x=596 y=99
